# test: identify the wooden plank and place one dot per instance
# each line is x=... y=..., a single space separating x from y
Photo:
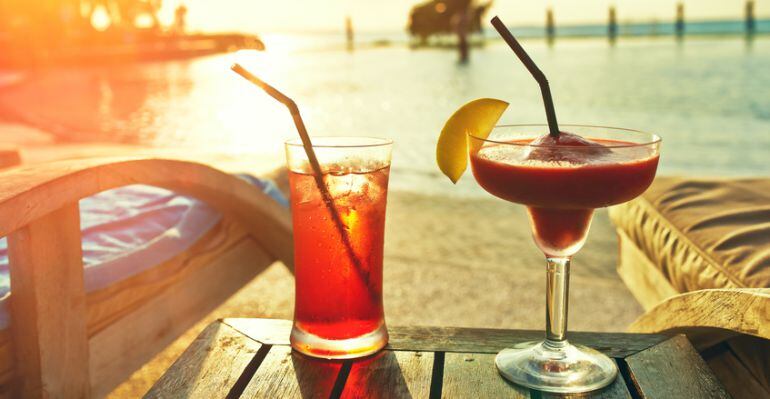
x=451 y=339
x=390 y=374
x=708 y=316
x=616 y=390
x=6 y=392
x=48 y=306
x=484 y=340
x=125 y=345
x=7 y=366
x=673 y=369
x=640 y=275
x=473 y=375
x=737 y=379
x=266 y=331
x=754 y=355
x=209 y=367
x=287 y=374
x=9 y=157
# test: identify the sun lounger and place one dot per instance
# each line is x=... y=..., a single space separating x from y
x=79 y=336
x=696 y=254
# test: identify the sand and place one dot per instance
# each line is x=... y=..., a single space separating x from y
x=450 y=262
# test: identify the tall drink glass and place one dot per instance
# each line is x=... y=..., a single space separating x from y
x=338 y=245
x=561 y=185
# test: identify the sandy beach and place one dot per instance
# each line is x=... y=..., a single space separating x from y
x=449 y=262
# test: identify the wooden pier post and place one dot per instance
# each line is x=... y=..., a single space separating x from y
x=612 y=26
x=679 y=25
x=463 y=28
x=750 y=25
x=349 y=33
x=550 y=28
x=462 y=34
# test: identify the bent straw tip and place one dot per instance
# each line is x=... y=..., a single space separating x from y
x=237 y=68
x=539 y=76
x=497 y=23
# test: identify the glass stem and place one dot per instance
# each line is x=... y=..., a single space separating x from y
x=556 y=302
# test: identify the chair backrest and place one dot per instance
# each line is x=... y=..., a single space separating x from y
x=9 y=157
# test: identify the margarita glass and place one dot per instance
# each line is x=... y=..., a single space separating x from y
x=561 y=183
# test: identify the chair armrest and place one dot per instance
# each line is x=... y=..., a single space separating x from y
x=31 y=192
x=708 y=316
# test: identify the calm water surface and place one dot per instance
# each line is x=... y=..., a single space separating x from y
x=708 y=99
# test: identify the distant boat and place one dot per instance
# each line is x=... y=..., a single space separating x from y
x=440 y=17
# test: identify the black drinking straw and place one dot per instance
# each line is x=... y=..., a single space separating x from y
x=317 y=174
x=539 y=76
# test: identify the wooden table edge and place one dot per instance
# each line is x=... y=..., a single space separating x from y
x=657 y=370
x=276 y=332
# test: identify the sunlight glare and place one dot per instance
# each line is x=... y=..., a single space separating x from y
x=100 y=19
x=258 y=123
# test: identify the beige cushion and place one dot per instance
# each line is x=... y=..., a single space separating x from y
x=700 y=234
x=703 y=233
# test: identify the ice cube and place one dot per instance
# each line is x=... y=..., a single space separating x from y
x=343 y=187
x=548 y=148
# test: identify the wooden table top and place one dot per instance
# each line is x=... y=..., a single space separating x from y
x=251 y=358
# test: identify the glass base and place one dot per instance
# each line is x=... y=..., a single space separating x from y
x=315 y=346
x=556 y=366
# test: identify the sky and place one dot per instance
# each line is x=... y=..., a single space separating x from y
x=264 y=16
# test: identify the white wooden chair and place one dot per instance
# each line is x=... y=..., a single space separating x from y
x=65 y=342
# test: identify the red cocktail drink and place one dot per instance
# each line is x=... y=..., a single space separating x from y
x=334 y=299
x=561 y=194
x=561 y=180
x=338 y=250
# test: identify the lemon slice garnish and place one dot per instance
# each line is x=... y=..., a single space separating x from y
x=478 y=118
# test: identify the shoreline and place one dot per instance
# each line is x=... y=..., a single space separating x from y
x=477 y=43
